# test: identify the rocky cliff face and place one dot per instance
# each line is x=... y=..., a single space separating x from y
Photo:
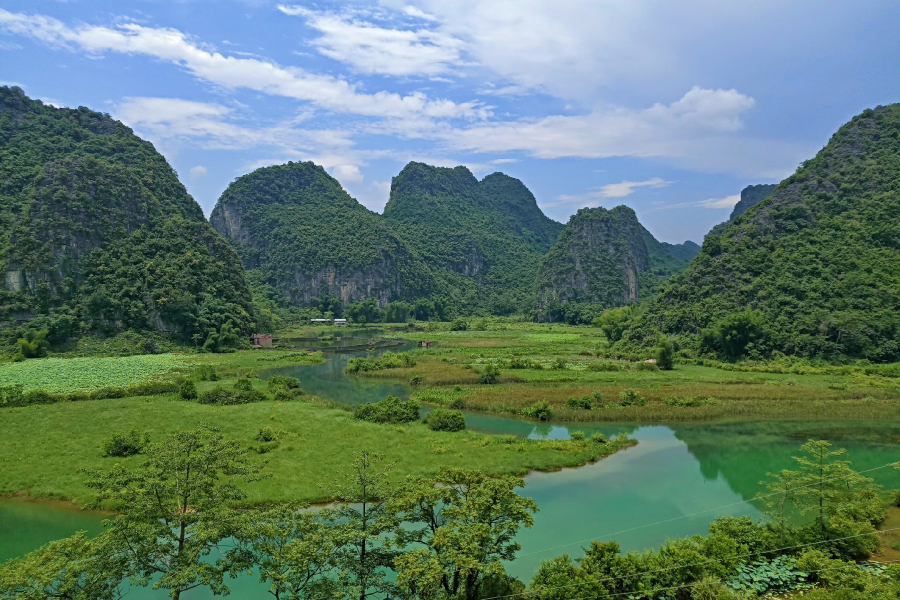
x=750 y=196
x=597 y=259
x=308 y=238
x=80 y=197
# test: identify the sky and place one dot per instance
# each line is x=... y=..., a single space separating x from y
x=670 y=108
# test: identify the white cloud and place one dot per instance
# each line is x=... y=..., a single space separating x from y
x=347 y=174
x=368 y=48
x=206 y=124
x=268 y=77
x=503 y=161
x=727 y=202
x=610 y=190
x=197 y=172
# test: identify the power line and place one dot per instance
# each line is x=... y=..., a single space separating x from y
x=606 y=535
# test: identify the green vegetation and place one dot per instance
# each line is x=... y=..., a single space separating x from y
x=62 y=376
x=99 y=236
x=602 y=259
x=442 y=419
x=388 y=360
x=120 y=444
x=390 y=410
x=750 y=196
x=812 y=271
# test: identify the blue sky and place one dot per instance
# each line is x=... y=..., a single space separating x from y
x=668 y=107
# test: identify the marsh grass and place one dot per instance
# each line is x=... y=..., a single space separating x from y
x=316 y=441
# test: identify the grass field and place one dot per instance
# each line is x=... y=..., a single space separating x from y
x=567 y=357
x=42 y=447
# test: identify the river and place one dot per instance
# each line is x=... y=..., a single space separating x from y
x=673 y=483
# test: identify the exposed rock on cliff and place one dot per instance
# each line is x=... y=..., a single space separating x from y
x=309 y=238
x=95 y=225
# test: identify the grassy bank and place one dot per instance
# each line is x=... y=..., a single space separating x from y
x=316 y=442
x=563 y=364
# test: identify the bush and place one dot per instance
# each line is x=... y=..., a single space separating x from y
x=445 y=420
x=559 y=363
x=12 y=396
x=224 y=397
x=390 y=410
x=107 y=393
x=739 y=334
x=523 y=363
x=580 y=403
x=280 y=381
x=267 y=434
x=188 y=391
x=416 y=379
x=490 y=375
x=33 y=343
x=458 y=324
x=630 y=397
x=665 y=354
x=125 y=445
x=206 y=373
x=388 y=360
x=39 y=397
x=457 y=403
x=577 y=436
x=604 y=366
x=150 y=388
x=287 y=394
x=243 y=384
x=539 y=410
x=687 y=402
x=598 y=438
x=646 y=366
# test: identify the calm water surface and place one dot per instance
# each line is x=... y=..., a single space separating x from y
x=673 y=483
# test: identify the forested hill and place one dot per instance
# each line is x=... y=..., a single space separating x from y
x=602 y=259
x=750 y=196
x=814 y=270
x=308 y=238
x=98 y=234
x=483 y=238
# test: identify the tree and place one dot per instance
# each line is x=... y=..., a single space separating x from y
x=365 y=518
x=665 y=353
x=464 y=524
x=74 y=568
x=739 y=334
x=782 y=493
x=227 y=337
x=614 y=321
x=175 y=508
x=33 y=343
x=293 y=549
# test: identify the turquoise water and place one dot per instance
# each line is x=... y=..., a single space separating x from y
x=673 y=483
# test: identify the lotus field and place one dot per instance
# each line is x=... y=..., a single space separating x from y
x=66 y=375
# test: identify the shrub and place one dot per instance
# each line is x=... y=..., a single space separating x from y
x=523 y=363
x=217 y=395
x=630 y=397
x=11 y=395
x=206 y=373
x=580 y=403
x=390 y=410
x=458 y=324
x=577 y=436
x=604 y=366
x=33 y=343
x=243 y=384
x=150 y=388
x=445 y=420
x=388 y=360
x=287 y=394
x=107 y=393
x=598 y=438
x=267 y=434
x=265 y=447
x=687 y=402
x=665 y=354
x=416 y=379
x=539 y=410
x=559 y=363
x=119 y=444
x=39 y=397
x=646 y=366
x=188 y=391
x=457 y=403
x=280 y=381
x=490 y=375
x=225 y=397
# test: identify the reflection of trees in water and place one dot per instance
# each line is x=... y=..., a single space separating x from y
x=743 y=453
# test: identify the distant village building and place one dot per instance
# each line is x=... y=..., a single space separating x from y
x=261 y=340
x=340 y=322
x=320 y=320
x=426 y=344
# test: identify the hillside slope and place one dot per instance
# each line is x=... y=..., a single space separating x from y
x=97 y=233
x=818 y=262
x=483 y=239
x=750 y=196
x=308 y=238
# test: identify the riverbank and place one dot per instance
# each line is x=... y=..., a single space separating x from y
x=559 y=366
x=315 y=442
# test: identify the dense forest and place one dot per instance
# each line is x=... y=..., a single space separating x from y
x=98 y=235
x=811 y=271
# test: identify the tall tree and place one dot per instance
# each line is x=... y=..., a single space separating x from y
x=363 y=554
x=176 y=508
x=467 y=523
